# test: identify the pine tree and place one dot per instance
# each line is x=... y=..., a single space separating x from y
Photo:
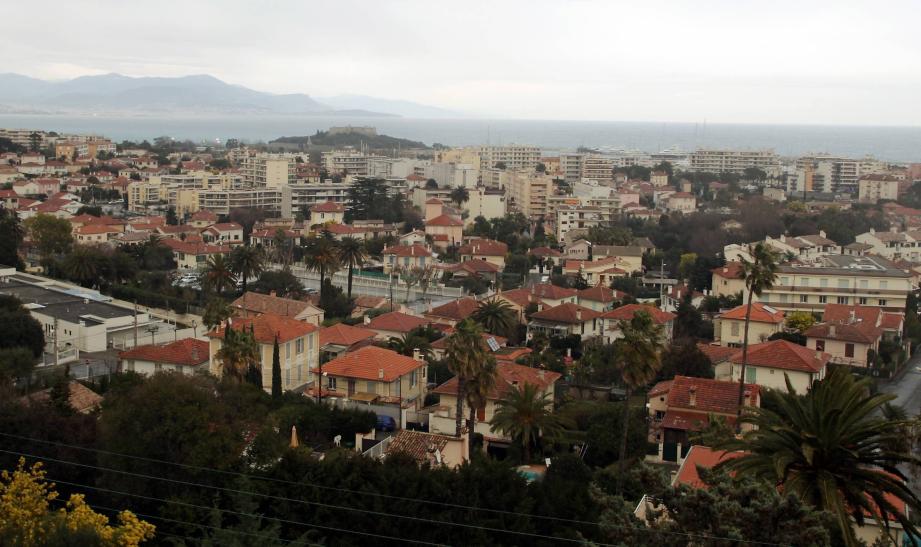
x=59 y=395
x=276 y=371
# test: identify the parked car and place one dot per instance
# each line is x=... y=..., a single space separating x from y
x=386 y=423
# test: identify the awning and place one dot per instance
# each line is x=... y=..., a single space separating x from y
x=364 y=397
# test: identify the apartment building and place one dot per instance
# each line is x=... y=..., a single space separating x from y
x=23 y=137
x=598 y=168
x=484 y=203
x=893 y=244
x=514 y=156
x=570 y=217
x=304 y=195
x=804 y=247
x=528 y=193
x=269 y=170
x=354 y=162
x=839 y=279
x=734 y=161
x=571 y=166
x=872 y=188
x=222 y=202
x=828 y=174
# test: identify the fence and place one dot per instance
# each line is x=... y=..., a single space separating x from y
x=377 y=451
x=374 y=285
x=145 y=337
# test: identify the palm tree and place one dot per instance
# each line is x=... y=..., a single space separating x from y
x=759 y=274
x=466 y=354
x=239 y=353
x=479 y=388
x=638 y=350
x=459 y=195
x=408 y=343
x=321 y=256
x=216 y=312
x=351 y=254
x=496 y=315
x=247 y=261
x=218 y=274
x=831 y=447
x=81 y=265
x=525 y=414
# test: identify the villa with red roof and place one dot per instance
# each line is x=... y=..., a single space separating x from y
x=485 y=249
x=509 y=377
x=406 y=257
x=727 y=280
x=298 y=342
x=254 y=303
x=446 y=230
x=187 y=356
x=374 y=375
x=229 y=233
x=599 y=298
x=564 y=320
x=848 y=342
x=341 y=338
x=729 y=327
x=453 y=312
x=770 y=362
x=203 y=218
x=393 y=324
x=193 y=255
x=612 y=319
x=329 y=211
x=552 y=295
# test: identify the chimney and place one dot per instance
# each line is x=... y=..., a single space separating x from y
x=853 y=316
x=272 y=293
x=367 y=320
x=692 y=392
x=822 y=233
x=832 y=329
x=380 y=374
x=417 y=355
x=578 y=314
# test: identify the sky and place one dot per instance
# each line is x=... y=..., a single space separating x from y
x=739 y=61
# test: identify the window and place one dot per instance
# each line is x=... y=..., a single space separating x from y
x=751 y=374
x=842 y=300
x=130 y=366
x=158 y=367
x=412 y=379
x=784 y=298
x=287 y=376
x=843 y=283
x=310 y=342
x=734 y=328
x=803 y=298
x=299 y=367
x=299 y=346
x=288 y=350
x=823 y=299
x=848 y=350
x=883 y=284
x=330 y=383
x=820 y=345
x=372 y=387
x=864 y=284
x=804 y=281
x=882 y=301
x=862 y=301
x=784 y=281
x=823 y=282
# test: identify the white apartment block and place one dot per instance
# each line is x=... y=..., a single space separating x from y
x=307 y=195
x=571 y=166
x=528 y=193
x=269 y=170
x=872 y=188
x=828 y=174
x=599 y=168
x=570 y=217
x=221 y=202
x=486 y=203
x=356 y=163
x=893 y=245
x=734 y=161
x=805 y=247
x=839 y=279
x=514 y=156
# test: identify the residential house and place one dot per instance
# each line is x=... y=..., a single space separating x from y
x=549 y=257
x=509 y=376
x=727 y=280
x=578 y=250
x=891 y=323
x=769 y=364
x=202 y=219
x=416 y=237
x=453 y=312
x=484 y=249
x=374 y=375
x=765 y=321
x=612 y=319
x=229 y=233
x=393 y=324
x=193 y=255
x=552 y=295
x=299 y=347
x=519 y=300
x=848 y=342
x=630 y=257
x=445 y=230
x=406 y=257
x=80 y=398
x=681 y=202
x=95 y=234
x=257 y=303
x=602 y=271
x=474 y=268
x=430 y=448
x=599 y=298
x=187 y=356
x=328 y=212
x=564 y=320
x=341 y=338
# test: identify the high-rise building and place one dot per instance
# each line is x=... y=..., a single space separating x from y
x=528 y=193
x=734 y=161
x=269 y=170
x=513 y=156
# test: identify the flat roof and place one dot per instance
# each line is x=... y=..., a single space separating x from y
x=61 y=305
x=873 y=266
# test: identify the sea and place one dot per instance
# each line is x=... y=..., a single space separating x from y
x=890 y=143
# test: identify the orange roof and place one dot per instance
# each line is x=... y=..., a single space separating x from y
x=204 y=214
x=341 y=334
x=552 y=292
x=704 y=457
x=783 y=354
x=731 y=270
x=195 y=247
x=372 y=363
x=842 y=313
x=545 y=251
x=520 y=297
x=97 y=229
x=444 y=220
x=266 y=303
x=484 y=247
x=327 y=207
x=860 y=332
x=760 y=313
x=892 y=321
x=266 y=327
x=600 y=293
x=710 y=395
x=395 y=321
x=187 y=352
x=717 y=354
x=566 y=313
x=456 y=310
x=626 y=313
x=509 y=375
x=407 y=250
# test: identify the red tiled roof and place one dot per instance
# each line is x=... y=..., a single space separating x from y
x=484 y=247
x=456 y=310
x=395 y=321
x=444 y=220
x=91 y=229
x=685 y=420
x=225 y=226
x=545 y=252
x=566 y=313
x=700 y=456
x=711 y=395
x=341 y=334
x=509 y=375
x=372 y=363
x=600 y=293
x=195 y=247
x=552 y=292
x=760 y=313
x=265 y=303
x=475 y=266
x=266 y=326
x=407 y=250
x=204 y=214
x=731 y=270
x=842 y=313
x=418 y=445
x=327 y=207
x=892 y=321
x=783 y=354
x=626 y=313
x=717 y=354
x=860 y=332
x=187 y=352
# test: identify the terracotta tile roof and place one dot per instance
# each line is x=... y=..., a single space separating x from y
x=711 y=395
x=545 y=252
x=82 y=399
x=341 y=334
x=369 y=301
x=407 y=250
x=444 y=220
x=372 y=363
x=205 y=215
x=660 y=388
x=717 y=354
x=195 y=247
x=509 y=375
x=225 y=227
x=266 y=326
x=626 y=313
x=860 y=332
x=600 y=293
x=433 y=201
x=187 y=352
x=456 y=310
x=484 y=247
x=704 y=457
x=327 y=207
x=567 y=312
x=419 y=446
x=731 y=270
x=91 y=229
x=761 y=313
x=842 y=313
x=552 y=292
x=892 y=321
x=475 y=266
x=395 y=321
x=685 y=420
x=255 y=302
x=520 y=297
x=782 y=354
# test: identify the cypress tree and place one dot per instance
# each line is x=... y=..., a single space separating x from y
x=276 y=371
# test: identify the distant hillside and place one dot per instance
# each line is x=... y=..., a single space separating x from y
x=406 y=109
x=379 y=142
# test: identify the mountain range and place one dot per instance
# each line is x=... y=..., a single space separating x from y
x=198 y=94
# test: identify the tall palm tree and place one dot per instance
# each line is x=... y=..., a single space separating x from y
x=638 y=351
x=833 y=448
x=81 y=265
x=321 y=256
x=759 y=274
x=247 y=261
x=466 y=353
x=218 y=274
x=479 y=387
x=408 y=343
x=496 y=315
x=239 y=353
x=526 y=414
x=351 y=255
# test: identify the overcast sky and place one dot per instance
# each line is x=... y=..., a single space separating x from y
x=717 y=61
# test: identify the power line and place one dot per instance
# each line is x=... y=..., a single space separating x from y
x=412 y=500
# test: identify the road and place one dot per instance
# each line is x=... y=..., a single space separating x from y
x=906 y=387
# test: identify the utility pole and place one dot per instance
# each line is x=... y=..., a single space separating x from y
x=135 y=323
x=662 y=287
x=55 y=342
